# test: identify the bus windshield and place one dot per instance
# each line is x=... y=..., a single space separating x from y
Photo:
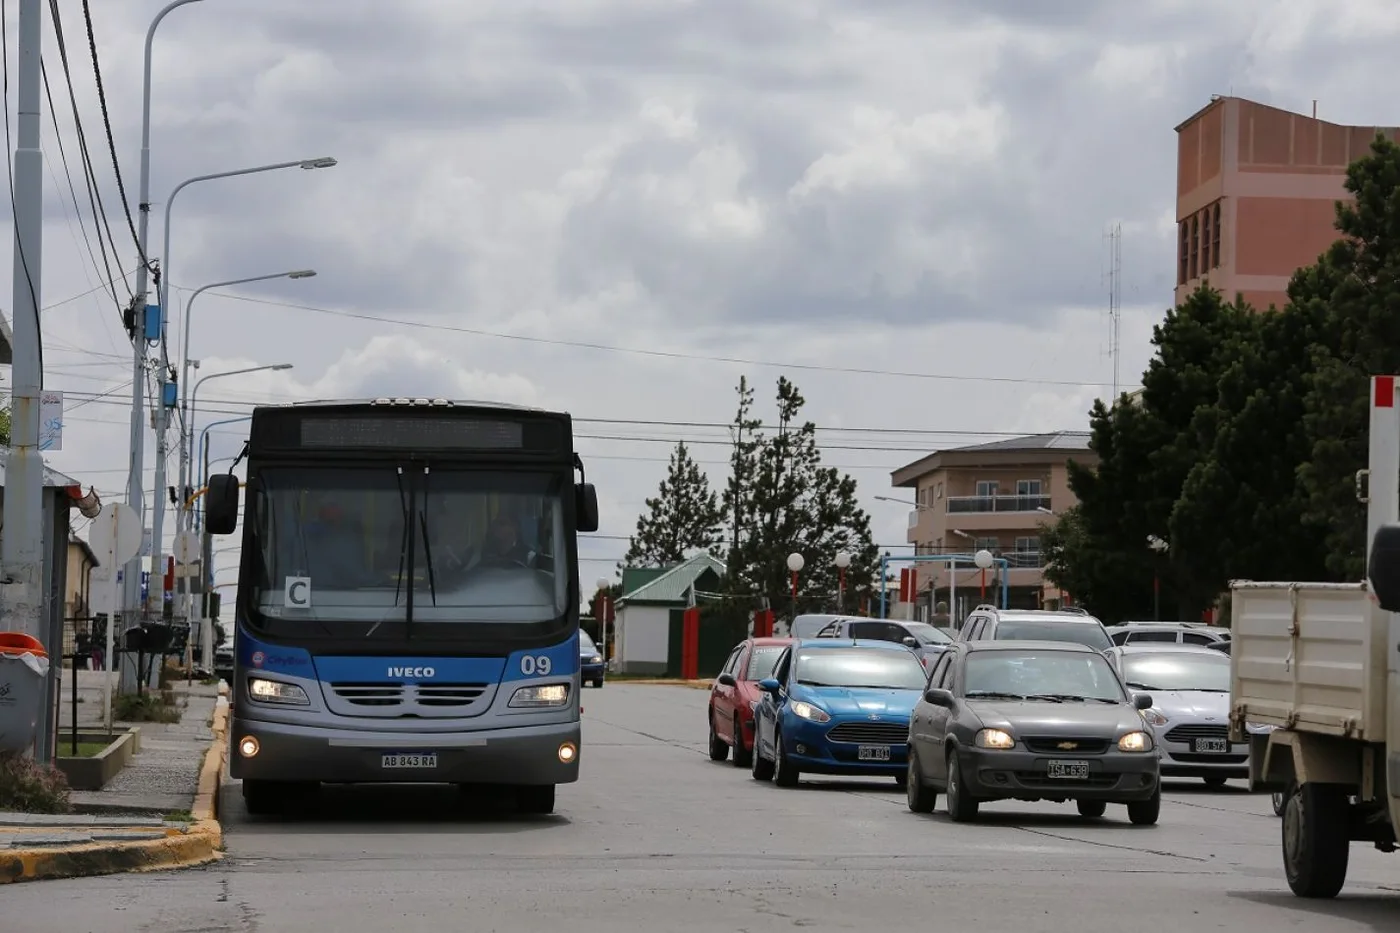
x=329 y=545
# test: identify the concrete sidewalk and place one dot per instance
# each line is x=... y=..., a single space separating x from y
x=159 y=811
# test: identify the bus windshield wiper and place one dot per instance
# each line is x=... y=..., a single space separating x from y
x=427 y=546
x=405 y=556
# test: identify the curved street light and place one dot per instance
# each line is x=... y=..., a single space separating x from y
x=842 y=561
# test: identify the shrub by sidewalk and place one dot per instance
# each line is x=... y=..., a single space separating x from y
x=26 y=786
x=145 y=707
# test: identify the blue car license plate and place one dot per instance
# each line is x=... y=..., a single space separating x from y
x=873 y=753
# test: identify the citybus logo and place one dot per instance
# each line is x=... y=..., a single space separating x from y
x=412 y=672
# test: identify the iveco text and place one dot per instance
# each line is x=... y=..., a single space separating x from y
x=408 y=597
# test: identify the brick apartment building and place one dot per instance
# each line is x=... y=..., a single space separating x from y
x=1256 y=189
x=995 y=496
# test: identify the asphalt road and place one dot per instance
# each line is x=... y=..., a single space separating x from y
x=658 y=837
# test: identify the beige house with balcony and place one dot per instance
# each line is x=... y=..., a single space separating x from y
x=996 y=497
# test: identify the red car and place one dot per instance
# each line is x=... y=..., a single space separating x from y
x=734 y=693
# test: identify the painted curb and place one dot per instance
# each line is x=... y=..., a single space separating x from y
x=203 y=843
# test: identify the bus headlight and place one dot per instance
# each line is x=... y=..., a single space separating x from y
x=540 y=697
x=273 y=691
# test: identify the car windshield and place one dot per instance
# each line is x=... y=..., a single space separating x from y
x=808 y=626
x=329 y=547
x=876 y=668
x=928 y=634
x=1080 y=633
x=586 y=644
x=1041 y=674
x=1177 y=671
x=763 y=660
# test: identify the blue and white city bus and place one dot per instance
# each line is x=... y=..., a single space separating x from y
x=408 y=597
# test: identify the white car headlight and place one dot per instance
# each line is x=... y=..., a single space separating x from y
x=809 y=712
x=540 y=697
x=1154 y=718
x=994 y=738
x=1135 y=742
x=274 y=691
x=596 y=659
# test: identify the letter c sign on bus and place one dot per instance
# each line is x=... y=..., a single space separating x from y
x=297 y=593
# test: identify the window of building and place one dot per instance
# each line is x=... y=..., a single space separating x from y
x=1195 y=246
x=1184 y=253
x=992 y=544
x=986 y=488
x=1215 y=236
x=1205 y=241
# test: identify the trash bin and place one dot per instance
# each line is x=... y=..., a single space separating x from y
x=23 y=666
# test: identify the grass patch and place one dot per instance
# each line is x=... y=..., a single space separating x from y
x=85 y=749
x=26 y=786
x=146 y=707
x=211 y=681
x=178 y=816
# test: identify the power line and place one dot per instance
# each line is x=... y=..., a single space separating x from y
x=72 y=190
x=660 y=354
x=107 y=124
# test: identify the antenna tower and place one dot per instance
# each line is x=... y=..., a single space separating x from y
x=1115 y=301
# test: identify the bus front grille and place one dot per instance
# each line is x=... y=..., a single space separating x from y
x=449 y=694
x=369 y=694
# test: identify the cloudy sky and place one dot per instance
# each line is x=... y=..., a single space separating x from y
x=619 y=207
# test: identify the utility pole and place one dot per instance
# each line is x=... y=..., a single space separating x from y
x=22 y=550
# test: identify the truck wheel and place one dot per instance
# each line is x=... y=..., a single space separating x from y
x=1279 y=799
x=1316 y=841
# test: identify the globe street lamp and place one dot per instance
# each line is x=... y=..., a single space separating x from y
x=983 y=559
x=795 y=562
x=843 y=560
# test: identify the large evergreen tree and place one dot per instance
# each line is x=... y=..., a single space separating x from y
x=783 y=501
x=1147 y=446
x=1356 y=283
x=683 y=517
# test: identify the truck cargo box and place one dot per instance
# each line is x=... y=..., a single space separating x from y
x=1310 y=657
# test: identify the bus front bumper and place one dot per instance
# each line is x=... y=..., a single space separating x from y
x=516 y=755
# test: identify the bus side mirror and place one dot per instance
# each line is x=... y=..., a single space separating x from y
x=1383 y=570
x=586 y=505
x=221 y=504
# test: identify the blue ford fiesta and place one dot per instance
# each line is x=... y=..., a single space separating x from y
x=590 y=660
x=837 y=707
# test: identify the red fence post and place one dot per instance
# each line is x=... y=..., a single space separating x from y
x=763 y=623
x=690 y=644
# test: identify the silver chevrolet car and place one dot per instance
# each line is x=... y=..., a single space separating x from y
x=1190 y=714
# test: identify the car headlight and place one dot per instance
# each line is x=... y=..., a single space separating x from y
x=994 y=738
x=1135 y=742
x=274 y=691
x=1154 y=718
x=809 y=712
x=596 y=659
x=537 y=697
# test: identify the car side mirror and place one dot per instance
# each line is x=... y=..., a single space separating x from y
x=586 y=507
x=910 y=641
x=939 y=697
x=770 y=686
x=1383 y=569
x=221 y=504
x=1142 y=700
x=726 y=680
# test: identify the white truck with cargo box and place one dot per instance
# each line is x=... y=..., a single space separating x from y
x=1320 y=663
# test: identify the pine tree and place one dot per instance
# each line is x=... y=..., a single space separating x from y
x=783 y=501
x=683 y=517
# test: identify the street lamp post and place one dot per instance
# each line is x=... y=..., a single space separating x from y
x=603 y=583
x=135 y=498
x=983 y=559
x=795 y=562
x=843 y=560
x=206 y=649
x=163 y=372
x=1158 y=547
x=187 y=429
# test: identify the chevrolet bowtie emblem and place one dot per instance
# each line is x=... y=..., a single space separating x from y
x=1067 y=745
